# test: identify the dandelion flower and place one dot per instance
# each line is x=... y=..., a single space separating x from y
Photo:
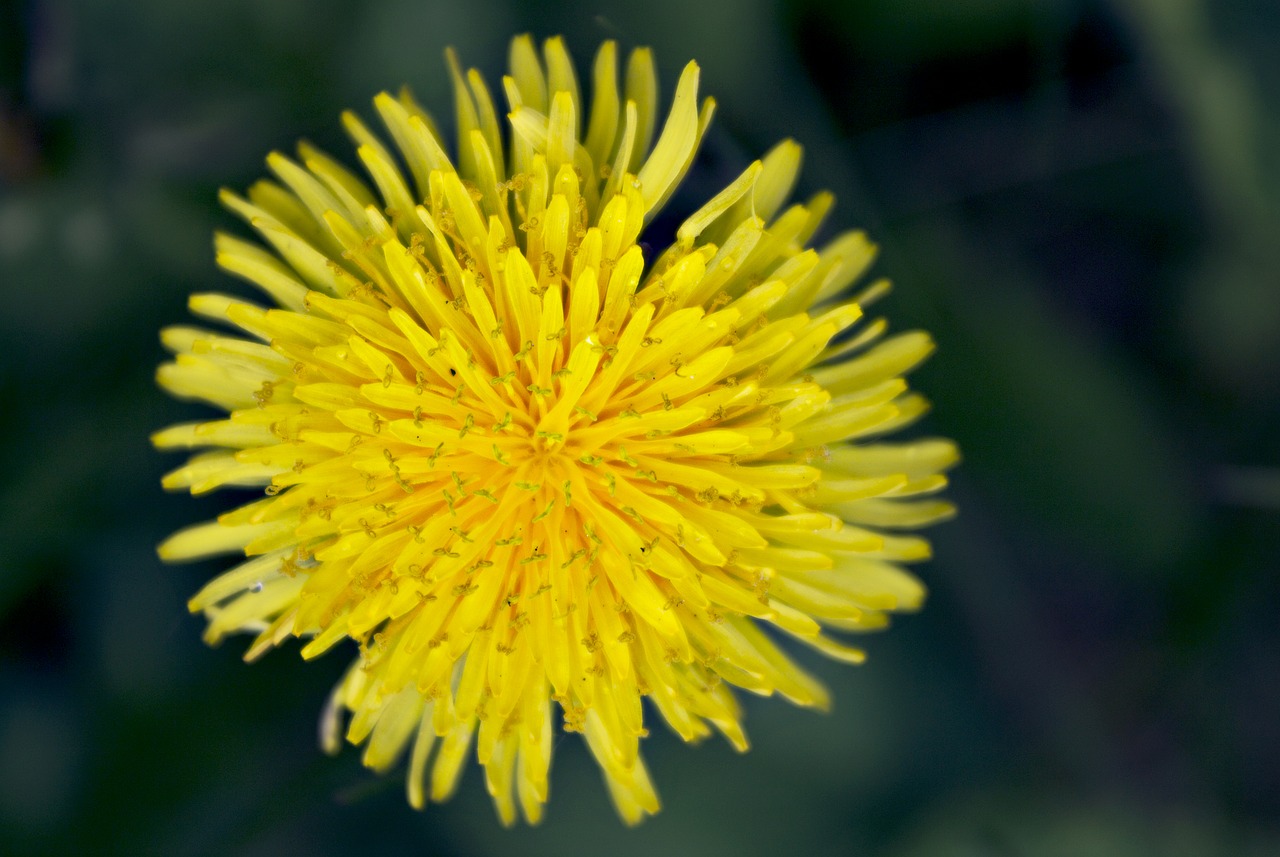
x=533 y=474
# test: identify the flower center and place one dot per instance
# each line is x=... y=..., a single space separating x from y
x=551 y=437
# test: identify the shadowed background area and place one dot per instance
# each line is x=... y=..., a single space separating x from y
x=1079 y=198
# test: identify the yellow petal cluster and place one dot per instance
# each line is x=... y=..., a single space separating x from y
x=533 y=474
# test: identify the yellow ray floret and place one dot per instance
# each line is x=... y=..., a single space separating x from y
x=520 y=464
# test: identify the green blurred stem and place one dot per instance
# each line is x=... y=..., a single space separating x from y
x=1214 y=95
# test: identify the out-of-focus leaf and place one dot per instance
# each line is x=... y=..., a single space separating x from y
x=1050 y=418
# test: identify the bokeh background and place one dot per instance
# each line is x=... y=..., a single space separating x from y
x=1080 y=198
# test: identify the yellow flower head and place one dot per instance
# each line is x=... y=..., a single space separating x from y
x=519 y=463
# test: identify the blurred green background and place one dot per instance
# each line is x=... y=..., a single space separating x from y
x=1080 y=198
